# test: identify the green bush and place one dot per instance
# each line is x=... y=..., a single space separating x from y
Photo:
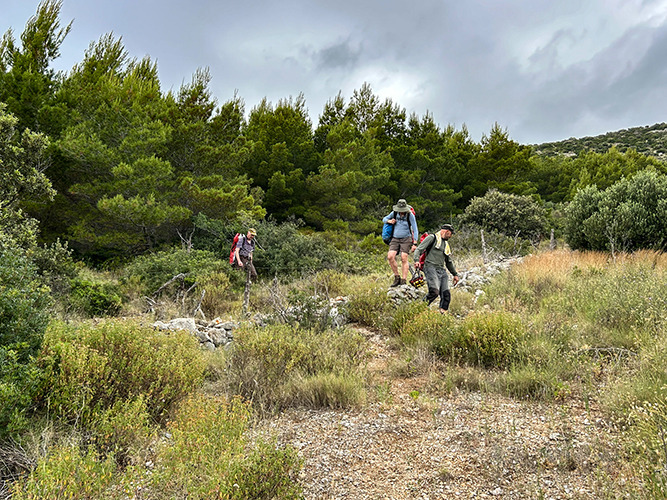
x=369 y=305
x=405 y=315
x=124 y=430
x=91 y=367
x=208 y=457
x=150 y=272
x=508 y=214
x=629 y=215
x=268 y=365
x=489 y=339
x=429 y=327
x=66 y=472
x=24 y=303
x=284 y=250
x=95 y=298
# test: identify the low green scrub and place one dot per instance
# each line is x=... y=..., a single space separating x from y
x=95 y=297
x=208 y=457
x=405 y=315
x=68 y=472
x=369 y=305
x=91 y=367
x=489 y=339
x=205 y=454
x=146 y=274
x=282 y=366
x=426 y=327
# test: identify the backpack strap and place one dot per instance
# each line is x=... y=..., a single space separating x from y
x=430 y=245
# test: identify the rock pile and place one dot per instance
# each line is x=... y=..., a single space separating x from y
x=211 y=334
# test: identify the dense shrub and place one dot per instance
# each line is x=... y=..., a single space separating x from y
x=405 y=315
x=508 y=214
x=92 y=367
x=280 y=365
x=429 y=327
x=283 y=250
x=369 y=305
x=95 y=298
x=149 y=272
x=488 y=339
x=208 y=457
x=629 y=215
x=24 y=303
x=68 y=472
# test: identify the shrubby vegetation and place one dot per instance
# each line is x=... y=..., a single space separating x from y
x=118 y=198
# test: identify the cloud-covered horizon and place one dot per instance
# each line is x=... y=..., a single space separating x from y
x=545 y=71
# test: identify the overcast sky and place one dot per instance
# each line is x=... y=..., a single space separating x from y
x=545 y=70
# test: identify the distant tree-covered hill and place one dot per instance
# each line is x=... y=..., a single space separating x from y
x=649 y=140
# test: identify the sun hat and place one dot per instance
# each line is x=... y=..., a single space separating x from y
x=401 y=206
x=252 y=231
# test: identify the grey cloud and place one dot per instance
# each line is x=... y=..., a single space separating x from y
x=338 y=56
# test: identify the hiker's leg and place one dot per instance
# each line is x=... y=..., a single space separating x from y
x=445 y=294
x=253 y=271
x=433 y=282
x=405 y=265
x=445 y=299
x=391 y=257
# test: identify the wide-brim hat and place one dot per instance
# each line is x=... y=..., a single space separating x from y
x=401 y=206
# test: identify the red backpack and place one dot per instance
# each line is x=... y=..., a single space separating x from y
x=422 y=257
x=234 y=243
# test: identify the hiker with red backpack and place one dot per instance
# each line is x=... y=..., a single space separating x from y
x=436 y=264
x=403 y=224
x=245 y=246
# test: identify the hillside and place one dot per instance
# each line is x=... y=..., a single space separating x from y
x=650 y=140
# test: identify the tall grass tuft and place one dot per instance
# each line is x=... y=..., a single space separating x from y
x=281 y=366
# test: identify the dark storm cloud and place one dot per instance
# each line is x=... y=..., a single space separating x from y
x=544 y=70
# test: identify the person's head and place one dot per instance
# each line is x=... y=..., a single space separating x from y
x=251 y=233
x=402 y=207
x=446 y=231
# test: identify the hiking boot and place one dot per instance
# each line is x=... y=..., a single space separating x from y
x=397 y=281
x=402 y=282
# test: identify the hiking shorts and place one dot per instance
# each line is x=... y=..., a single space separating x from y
x=400 y=245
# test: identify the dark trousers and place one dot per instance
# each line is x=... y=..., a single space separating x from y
x=437 y=280
x=248 y=266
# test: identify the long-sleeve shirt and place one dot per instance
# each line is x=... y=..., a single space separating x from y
x=405 y=226
x=439 y=255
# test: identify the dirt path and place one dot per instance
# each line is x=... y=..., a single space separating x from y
x=406 y=444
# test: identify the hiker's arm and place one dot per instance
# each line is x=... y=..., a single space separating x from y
x=237 y=256
x=389 y=219
x=451 y=268
x=415 y=229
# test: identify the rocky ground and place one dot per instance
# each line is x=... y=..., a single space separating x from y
x=408 y=444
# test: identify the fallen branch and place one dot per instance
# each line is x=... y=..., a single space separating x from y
x=180 y=276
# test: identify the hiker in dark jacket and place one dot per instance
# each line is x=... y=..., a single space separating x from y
x=436 y=265
x=403 y=241
x=244 y=250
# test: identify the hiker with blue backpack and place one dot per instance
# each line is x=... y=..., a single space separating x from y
x=436 y=264
x=404 y=234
